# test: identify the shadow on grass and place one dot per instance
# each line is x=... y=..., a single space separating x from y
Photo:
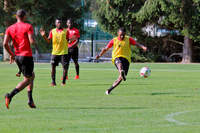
x=183 y=96
x=162 y=93
x=95 y=108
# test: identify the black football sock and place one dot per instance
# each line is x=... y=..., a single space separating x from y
x=30 y=98
x=53 y=79
x=110 y=89
x=64 y=77
x=114 y=85
x=77 y=69
x=14 y=92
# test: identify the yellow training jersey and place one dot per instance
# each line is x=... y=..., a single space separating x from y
x=121 y=48
x=59 y=42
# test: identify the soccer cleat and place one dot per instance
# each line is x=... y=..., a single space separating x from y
x=66 y=78
x=31 y=105
x=107 y=92
x=7 y=100
x=123 y=75
x=18 y=75
x=76 y=77
x=62 y=84
x=53 y=84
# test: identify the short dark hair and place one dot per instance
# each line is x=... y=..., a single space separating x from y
x=59 y=19
x=122 y=29
x=21 y=13
x=70 y=19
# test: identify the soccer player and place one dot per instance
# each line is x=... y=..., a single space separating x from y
x=121 y=55
x=59 y=37
x=73 y=45
x=21 y=34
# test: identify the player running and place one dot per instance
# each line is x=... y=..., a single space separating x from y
x=59 y=37
x=73 y=45
x=21 y=34
x=121 y=55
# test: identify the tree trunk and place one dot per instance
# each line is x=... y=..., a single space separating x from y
x=6 y=55
x=187 y=50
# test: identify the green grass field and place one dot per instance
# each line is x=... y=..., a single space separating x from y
x=166 y=102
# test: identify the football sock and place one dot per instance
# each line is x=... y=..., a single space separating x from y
x=53 y=79
x=30 y=98
x=77 y=69
x=64 y=78
x=14 y=92
x=110 y=89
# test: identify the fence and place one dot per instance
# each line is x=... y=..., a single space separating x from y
x=87 y=51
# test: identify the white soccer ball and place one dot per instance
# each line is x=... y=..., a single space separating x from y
x=145 y=72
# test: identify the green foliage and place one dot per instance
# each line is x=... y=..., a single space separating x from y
x=182 y=15
x=42 y=13
x=113 y=14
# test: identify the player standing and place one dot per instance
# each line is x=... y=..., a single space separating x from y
x=73 y=45
x=59 y=37
x=121 y=55
x=21 y=34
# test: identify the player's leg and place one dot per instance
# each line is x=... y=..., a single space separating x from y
x=114 y=85
x=54 y=63
x=65 y=64
x=29 y=73
x=27 y=80
x=122 y=66
x=75 y=59
x=18 y=64
x=30 y=91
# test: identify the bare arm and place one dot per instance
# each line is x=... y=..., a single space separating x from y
x=42 y=32
x=75 y=43
x=6 y=46
x=32 y=41
x=103 y=51
x=141 y=46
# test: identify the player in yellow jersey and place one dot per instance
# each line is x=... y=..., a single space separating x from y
x=59 y=37
x=121 y=55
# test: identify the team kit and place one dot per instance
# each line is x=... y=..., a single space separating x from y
x=64 y=43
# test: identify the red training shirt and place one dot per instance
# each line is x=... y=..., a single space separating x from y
x=73 y=32
x=19 y=34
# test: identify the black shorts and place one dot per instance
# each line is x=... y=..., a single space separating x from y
x=25 y=64
x=124 y=62
x=63 y=59
x=73 y=54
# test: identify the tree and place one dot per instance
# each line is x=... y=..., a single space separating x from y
x=112 y=14
x=42 y=12
x=181 y=15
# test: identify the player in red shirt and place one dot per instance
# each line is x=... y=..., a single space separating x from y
x=73 y=45
x=21 y=34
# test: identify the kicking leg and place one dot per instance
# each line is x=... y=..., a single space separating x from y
x=115 y=84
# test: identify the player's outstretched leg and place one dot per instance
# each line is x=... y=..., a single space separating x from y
x=115 y=84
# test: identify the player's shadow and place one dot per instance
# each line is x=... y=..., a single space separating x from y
x=95 y=108
x=183 y=96
x=162 y=93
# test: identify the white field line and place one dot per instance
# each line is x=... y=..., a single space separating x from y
x=170 y=118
